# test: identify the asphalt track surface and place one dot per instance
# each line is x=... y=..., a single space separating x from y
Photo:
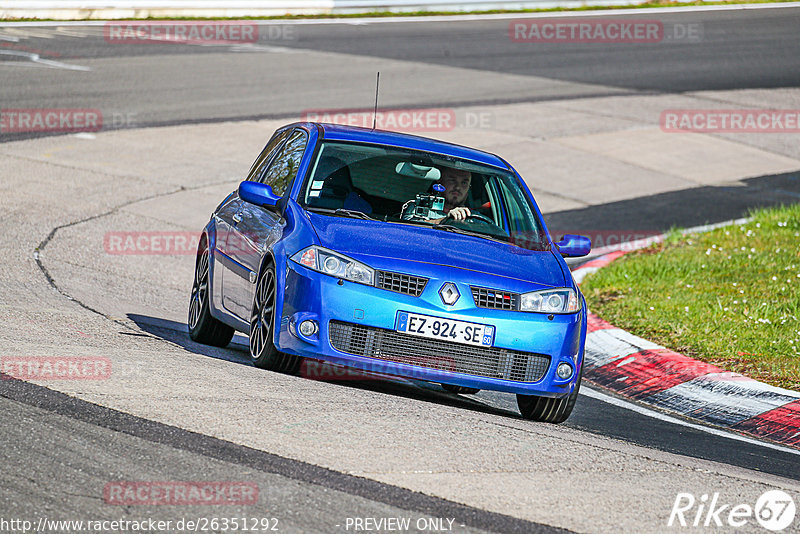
x=55 y=441
x=735 y=50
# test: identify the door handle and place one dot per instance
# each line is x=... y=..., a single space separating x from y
x=237 y=218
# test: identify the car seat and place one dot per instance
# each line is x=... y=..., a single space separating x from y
x=337 y=187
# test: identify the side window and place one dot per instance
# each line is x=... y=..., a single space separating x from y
x=496 y=205
x=283 y=169
x=260 y=165
x=520 y=215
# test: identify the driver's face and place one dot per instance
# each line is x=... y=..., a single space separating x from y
x=456 y=184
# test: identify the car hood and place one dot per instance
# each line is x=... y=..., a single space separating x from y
x=407 y=242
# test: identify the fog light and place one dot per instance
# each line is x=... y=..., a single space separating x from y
x=564 y=370
x=308 y=328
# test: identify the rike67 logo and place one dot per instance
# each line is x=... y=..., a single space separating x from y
x=774 y=510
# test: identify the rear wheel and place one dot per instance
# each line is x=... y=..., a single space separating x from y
x=263 y=352
x=203 y=327
x=549 y=410
x=461 y=390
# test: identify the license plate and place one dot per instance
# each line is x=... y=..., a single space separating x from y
x=481 y=335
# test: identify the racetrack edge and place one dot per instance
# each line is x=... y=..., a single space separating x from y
x=642 y=371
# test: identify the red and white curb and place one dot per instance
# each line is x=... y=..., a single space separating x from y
x=656 y=376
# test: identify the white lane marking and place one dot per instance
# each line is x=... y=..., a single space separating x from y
x=69 y=32
x=36 y=58
x=15 y=31
x=251 y=47
x=455 y=18
x=594 y=394
x=727 y=397
x=609 y=345
x=48 y=32
x=38 y=34
x=579 y=274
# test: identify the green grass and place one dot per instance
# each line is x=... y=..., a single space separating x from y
x=730 y=297
x=644 y=5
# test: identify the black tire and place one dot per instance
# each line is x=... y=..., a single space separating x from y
x=547 y=410
x=203 y=328
x=460 y=390
x=263 y=352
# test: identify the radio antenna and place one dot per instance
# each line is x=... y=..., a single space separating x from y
x=375 y=113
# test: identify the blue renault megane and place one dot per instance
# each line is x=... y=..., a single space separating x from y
x=394 y=254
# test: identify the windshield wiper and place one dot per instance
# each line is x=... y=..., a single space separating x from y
x=462 y=231
x=353 y=213
x=342 y=213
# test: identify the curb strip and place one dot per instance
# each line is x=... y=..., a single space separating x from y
x=654 y=375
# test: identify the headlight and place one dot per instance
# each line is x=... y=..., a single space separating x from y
x=563 y=300
x=331 y=263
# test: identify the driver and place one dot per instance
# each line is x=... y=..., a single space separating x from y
x=456 y=184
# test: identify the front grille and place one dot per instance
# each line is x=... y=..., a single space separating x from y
x=397 y=347
x=401 y=283
x=495 y=300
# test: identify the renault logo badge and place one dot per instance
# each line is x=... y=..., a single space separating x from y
x=449 y=293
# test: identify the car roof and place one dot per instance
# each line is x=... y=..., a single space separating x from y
x=338 y=132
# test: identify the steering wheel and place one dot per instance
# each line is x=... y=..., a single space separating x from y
x=477 y=216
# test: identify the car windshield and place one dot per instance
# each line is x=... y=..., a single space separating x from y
x=404 y=186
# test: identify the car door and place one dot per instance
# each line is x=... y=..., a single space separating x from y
x=227 y=217
x=257 y=228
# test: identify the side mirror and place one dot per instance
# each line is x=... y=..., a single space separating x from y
x=574 y=246
x=258 y=194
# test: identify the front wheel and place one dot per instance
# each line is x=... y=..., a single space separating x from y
x=263 y=352
x=203 y=327
x=549 y=410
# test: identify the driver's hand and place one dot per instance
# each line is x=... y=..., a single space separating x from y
x=460 y=213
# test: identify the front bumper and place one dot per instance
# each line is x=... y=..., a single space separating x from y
x=356 y=329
